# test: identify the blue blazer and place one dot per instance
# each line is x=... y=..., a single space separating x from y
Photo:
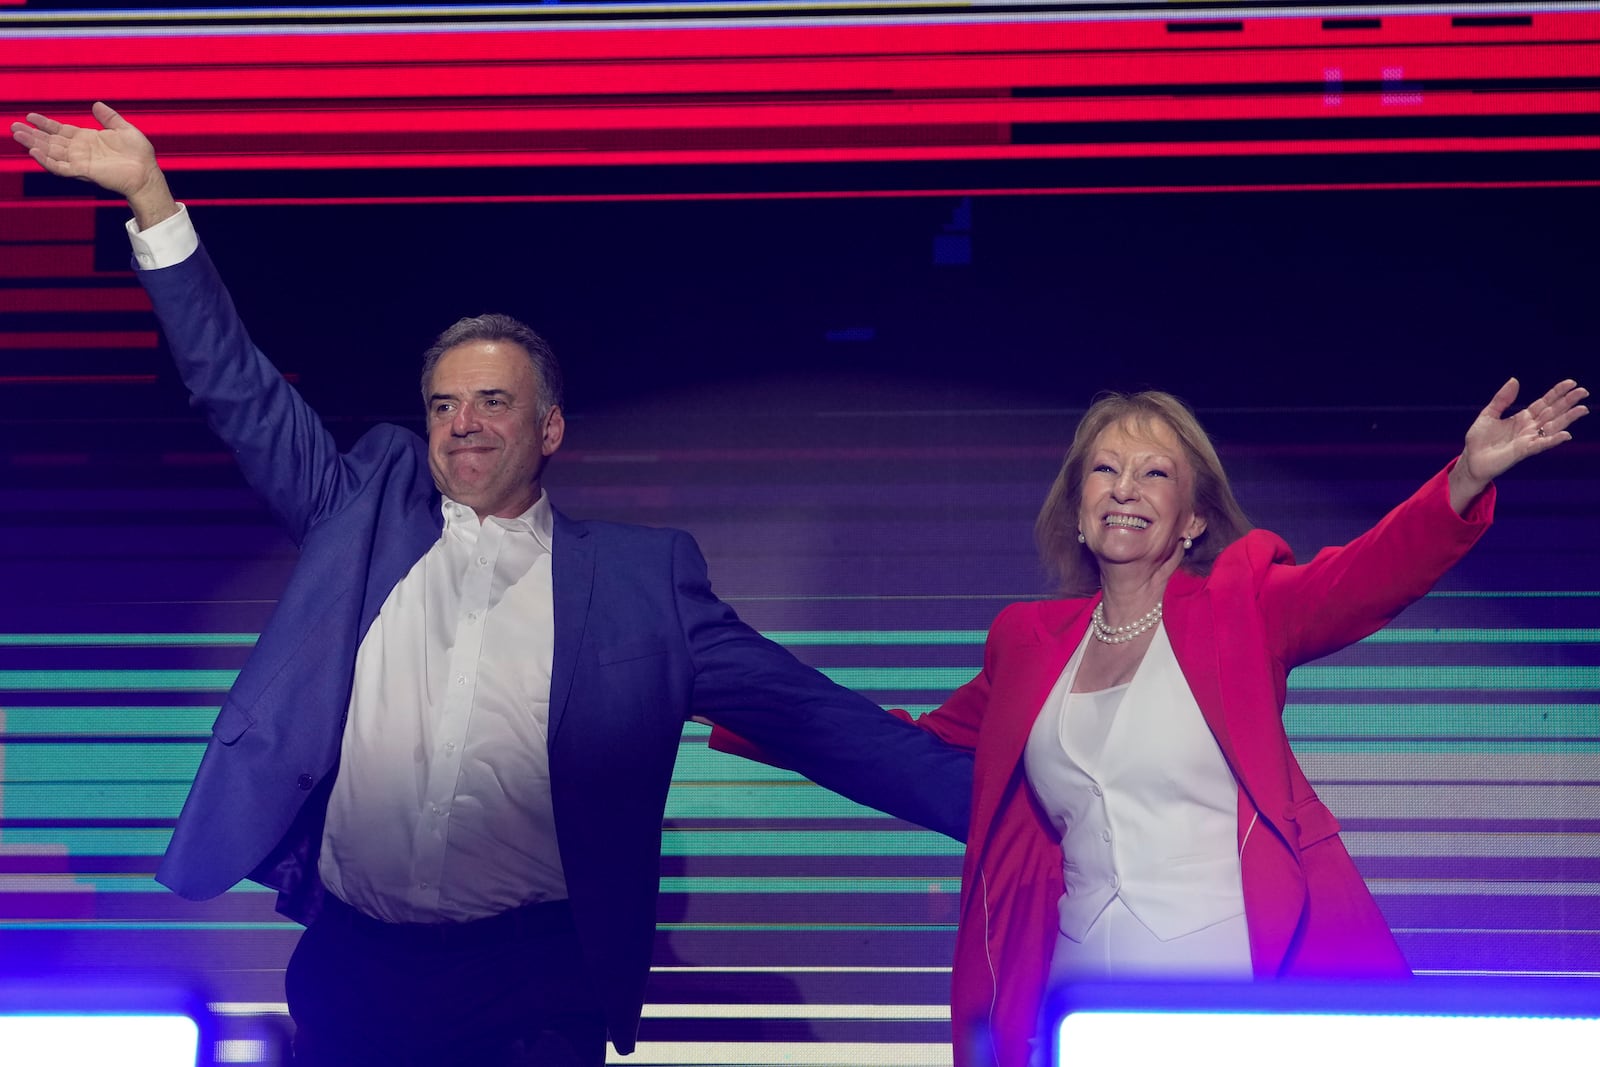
x=641 y=644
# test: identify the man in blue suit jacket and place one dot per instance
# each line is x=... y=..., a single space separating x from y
x=319 y=759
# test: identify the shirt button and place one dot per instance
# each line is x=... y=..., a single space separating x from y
x=1105 y=835
x=449 y=746
x=483 y=561
x=472 y=616
x=1096 y=791
x=1114 y=882
x=435 y=809
x=304 y=781
x=461 y=679
x=422 y=885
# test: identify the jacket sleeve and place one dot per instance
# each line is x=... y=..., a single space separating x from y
x=285 y=452
x=1346 y=593
x=797 y=718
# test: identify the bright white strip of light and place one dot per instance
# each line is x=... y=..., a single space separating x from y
x=812 y=1054
x=1254 y=1039
x=97 y=1040
x=936 y=1012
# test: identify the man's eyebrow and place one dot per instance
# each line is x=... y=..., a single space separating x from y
x=476 y=392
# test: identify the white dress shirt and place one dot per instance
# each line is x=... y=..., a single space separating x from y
x=441 y=810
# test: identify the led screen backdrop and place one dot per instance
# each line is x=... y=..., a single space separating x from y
x=830 y=292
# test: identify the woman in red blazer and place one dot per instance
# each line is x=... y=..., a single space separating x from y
x=1146 y=535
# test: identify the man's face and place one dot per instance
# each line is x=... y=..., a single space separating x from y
x=486 y=443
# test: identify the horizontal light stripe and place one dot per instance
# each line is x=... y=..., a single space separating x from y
x=1394 y=635
x=1464 y=748
x=807 y=843
x=79 y=926
x=808 y=1053
x=1451 y=843
x=133 y=681
x=1555 y=635
x=925 y=638
x=1446 y=887
x=922 y=886
x=1465 y=720
x=108 y=721
x=1380 y=766
x=738 y=969
x=1471 y=678
x=909 y=1012
x=1521 y=802
x=130 y=640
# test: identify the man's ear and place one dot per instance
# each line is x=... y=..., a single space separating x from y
x=555 y=428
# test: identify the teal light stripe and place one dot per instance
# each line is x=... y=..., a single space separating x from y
x=140 y=681
x=92 y=842
x=923 y=886
x=1447 y=677
x=180 y=640
x=1393 y=636
x=942 y=679
x=796 y=800
x=108 y=721
x=91 y=761
x=82 y=925
x=1464 y=747
x=806 y=843
x=808 y=928
x=1514 y=594
x=876 y=637
x=682 y=843
x=94 y=800
x=823 y=638
x=1484 y=721
x=1473 y=636
x=1511 y=678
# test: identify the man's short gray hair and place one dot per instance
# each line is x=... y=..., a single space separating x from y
x=496 y=327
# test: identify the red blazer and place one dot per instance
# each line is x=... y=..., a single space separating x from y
x=1236 y=634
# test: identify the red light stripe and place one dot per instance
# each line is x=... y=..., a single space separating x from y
x=957 y=36
x=56 y=339
x=46 y=260
x=823 y=73
x=75 y=379
x=874 y=194
x=463 y=126
x=123 y=299
x=56 y=223
x=851 y=154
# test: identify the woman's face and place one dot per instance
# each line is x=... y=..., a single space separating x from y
x=1138 y=497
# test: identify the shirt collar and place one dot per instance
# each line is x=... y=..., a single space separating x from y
x=539 y=520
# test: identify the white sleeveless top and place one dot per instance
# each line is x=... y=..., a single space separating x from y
x=1145 y=802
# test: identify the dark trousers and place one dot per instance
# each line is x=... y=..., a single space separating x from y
x=506 y=991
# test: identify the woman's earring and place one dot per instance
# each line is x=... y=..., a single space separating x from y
x=1082 y=539
x=1188 y=543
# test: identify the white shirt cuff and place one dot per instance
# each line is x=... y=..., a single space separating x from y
x=166 y=244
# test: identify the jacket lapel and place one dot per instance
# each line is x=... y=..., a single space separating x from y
x=1192 y=629
x=572 y=589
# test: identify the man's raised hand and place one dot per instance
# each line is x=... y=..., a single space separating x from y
x=117 y=157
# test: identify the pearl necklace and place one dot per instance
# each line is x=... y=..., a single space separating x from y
x=1116 y=635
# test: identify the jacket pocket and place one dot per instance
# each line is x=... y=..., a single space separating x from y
x=625 y=651
x=232 y=722
x=1312 y=822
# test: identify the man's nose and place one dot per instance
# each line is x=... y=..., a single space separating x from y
x=465 y=421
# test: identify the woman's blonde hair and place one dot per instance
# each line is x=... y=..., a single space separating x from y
x=1071 y=564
